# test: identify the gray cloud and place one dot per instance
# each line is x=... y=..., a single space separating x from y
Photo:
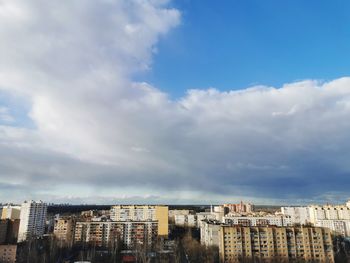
x=99 y=133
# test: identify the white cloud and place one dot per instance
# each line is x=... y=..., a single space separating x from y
x=5 y=115
x=96 y=130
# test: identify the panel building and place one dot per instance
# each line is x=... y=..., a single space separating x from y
x=272 y=220
x=271 y=244
x=142 y=213
x=64 y=230
x=128 y=233
x=32 y=220
x=11 y=212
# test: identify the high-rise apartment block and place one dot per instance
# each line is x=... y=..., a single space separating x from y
x=32 y=220
x=299 y=215
x=142 y=213
x=275 y=244
x=272 y=220
x=129 y=233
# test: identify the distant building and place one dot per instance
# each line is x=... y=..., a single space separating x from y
x=272 y=220
x=204 y=216
x=11 y=212
x=32 y=220
x=186 y=220
x=64 y=230
x=239 y=208
x=143 y=213
x=129 y=233
x=299 y=215
x=275 y=244
x=172 y=213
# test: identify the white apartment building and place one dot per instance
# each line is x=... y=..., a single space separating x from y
x=299 y=215
x=32 y=220
x=334 y=217
x=186 y=220
x=210 y=232
x=258 y=220
x=339 y=212
x=340 y=227
x=204 y=216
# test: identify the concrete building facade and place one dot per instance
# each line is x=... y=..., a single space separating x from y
x=32 y=220
x=129 y=233
x=271 y=244
x=143 y=213
x=258 y=220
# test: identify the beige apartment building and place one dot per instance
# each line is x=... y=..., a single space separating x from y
x=275 y=244
x=143 y=213
x=64 y=230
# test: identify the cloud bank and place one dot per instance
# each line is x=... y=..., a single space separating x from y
x=90 y=130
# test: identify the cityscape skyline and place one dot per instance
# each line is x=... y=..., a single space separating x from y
x=152 y=102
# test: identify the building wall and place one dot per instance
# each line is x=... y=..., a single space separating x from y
x=142 y=213
x=32 y=220
x=299 y=215
x=258 y=221
x=11 y=212
x=130 y=233
x=275 y=243
x=8 y=253
x=64 y=230
x=209 y=232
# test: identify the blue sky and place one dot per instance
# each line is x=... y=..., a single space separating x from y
x=235 y=44
x=150 y=101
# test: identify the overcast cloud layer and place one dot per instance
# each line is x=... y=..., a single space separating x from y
x=75 y=127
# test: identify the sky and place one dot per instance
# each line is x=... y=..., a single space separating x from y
x=174 y=102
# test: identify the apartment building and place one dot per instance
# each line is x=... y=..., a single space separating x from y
x=142 y=213
x=64 y=230
x=32 y=220
x=339 y=212
x=129 y=233
x=299 y=215
x=209 y=232
x=11 y=212
x=9 y=231
x=272 y=220
x=272 y=243
x=240 y=207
